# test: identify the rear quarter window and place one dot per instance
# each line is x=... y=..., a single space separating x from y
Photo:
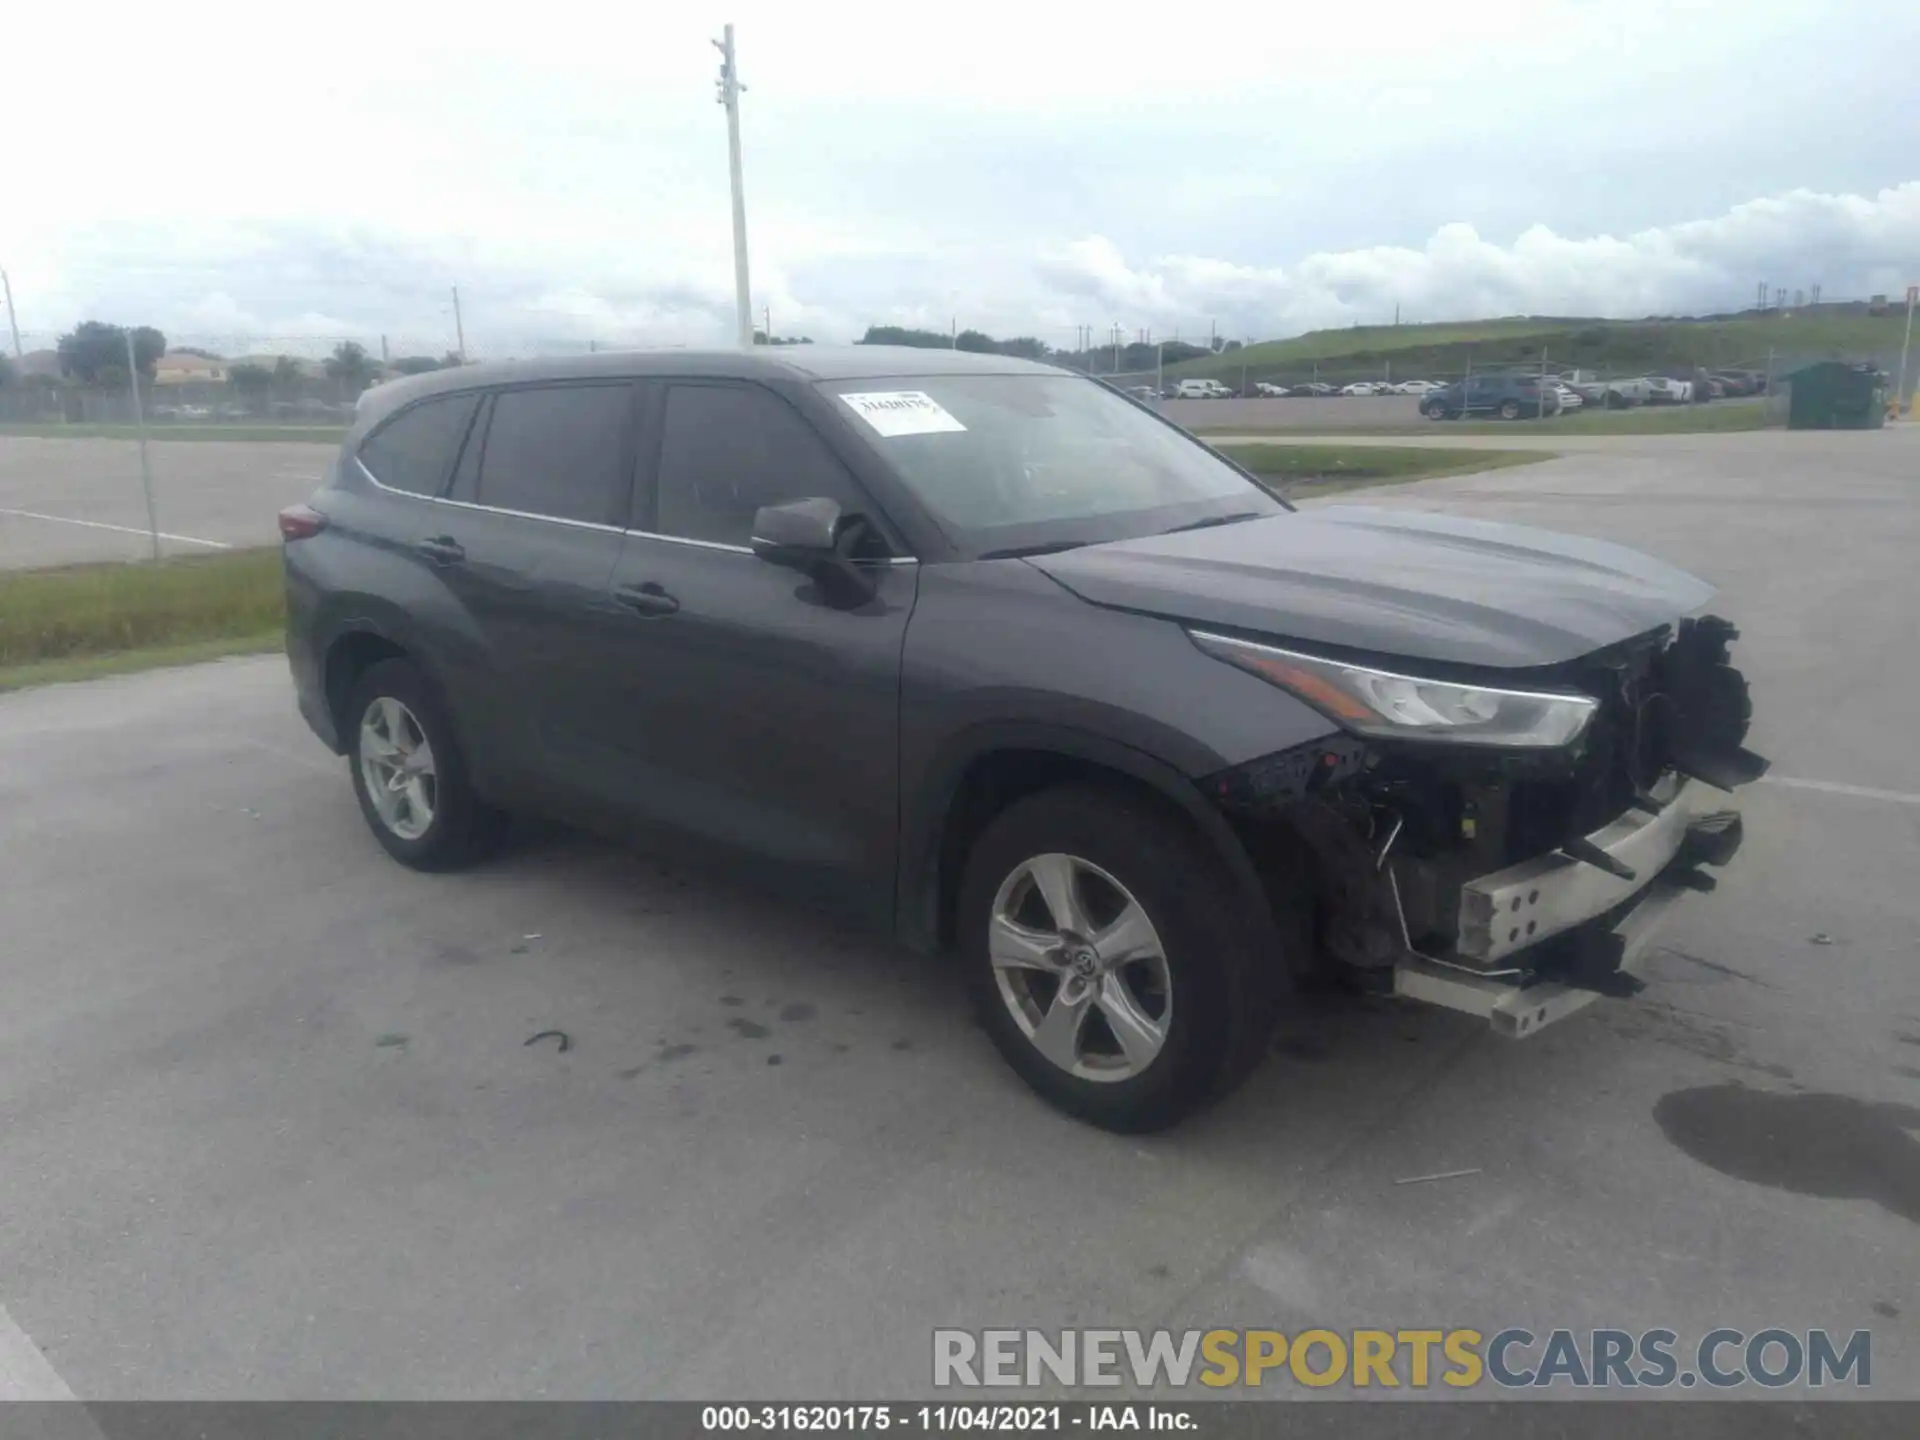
x=415 y=450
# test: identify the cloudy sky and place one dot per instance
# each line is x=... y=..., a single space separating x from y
x=238 y=173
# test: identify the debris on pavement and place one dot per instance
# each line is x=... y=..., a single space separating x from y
x=1442 y=1175
x=1821 y=939
x=566 y=1040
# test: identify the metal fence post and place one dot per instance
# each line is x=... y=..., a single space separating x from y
x=140 y=427
x=1901 y=405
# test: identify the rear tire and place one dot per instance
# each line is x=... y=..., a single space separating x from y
x=1509 y=409
x=1197 y=979
x=408 y=773
x=1436 y=411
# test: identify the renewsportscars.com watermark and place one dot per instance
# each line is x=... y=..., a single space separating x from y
x=1400 y=1359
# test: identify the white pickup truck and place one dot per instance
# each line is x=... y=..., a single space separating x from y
x=1621 y=393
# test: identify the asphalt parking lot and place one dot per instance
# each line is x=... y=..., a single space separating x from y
x=273 y=1127
x=67 y=501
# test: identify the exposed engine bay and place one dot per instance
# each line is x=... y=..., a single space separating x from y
x=1508 y=867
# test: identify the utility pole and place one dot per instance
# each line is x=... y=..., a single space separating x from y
x=1543 y=384
x=459 y=330
x=730 y=88
x=384 y=356
x=12 y=319
x=766 y=312
x=1160 y=367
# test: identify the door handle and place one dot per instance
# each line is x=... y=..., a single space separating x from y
x=441 y=550
x=647 y=599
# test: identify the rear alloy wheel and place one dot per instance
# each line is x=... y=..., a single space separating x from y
x=1509 y=409
x=397 y=767
x=408 y=773
x=1436 y=411
x=1112 y=961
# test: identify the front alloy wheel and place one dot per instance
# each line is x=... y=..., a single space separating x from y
x=1113 y=961
x=1080 y=968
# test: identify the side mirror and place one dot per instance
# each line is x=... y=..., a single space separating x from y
x=801 y=535
x=814 y=537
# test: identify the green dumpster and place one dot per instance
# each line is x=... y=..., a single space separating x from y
x=1837 y=395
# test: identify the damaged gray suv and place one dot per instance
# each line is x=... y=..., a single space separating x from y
x=991 y=657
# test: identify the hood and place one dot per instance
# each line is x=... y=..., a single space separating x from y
x=1391 y=582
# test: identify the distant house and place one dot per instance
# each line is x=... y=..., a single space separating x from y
x=309 y=369
x=175 y=368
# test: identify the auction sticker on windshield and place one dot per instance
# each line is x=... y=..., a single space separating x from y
x=902 y=412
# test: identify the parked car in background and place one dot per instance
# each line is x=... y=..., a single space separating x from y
x=1511 y=397
x=1269 y=390
x=990 y=660
x=1143 y=393
x=1365 y=387
x=1570 y=398
x=1201 y=390
x=1416 y=387
x=1313 y=389
x=1665 y=390
x=1742 y=382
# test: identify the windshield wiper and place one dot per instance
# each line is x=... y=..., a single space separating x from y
x=1020 y=552
x=1207 y=524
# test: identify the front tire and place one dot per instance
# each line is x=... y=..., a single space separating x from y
x=1509 y=409
x=1436 y=411
x=408 y=773
x=1111 y=959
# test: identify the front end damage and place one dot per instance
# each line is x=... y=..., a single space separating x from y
x=1516 y=885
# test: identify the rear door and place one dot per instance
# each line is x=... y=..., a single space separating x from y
x=527 y=537
x=750 y=711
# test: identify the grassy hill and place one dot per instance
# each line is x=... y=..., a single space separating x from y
x=1615 y=346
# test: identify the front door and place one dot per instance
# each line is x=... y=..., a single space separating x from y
x=752 y=712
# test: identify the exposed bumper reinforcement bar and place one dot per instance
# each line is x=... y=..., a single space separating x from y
x=1517 y=1010
x=1514 y=909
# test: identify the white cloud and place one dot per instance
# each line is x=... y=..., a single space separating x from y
x=1022 y=168
x=1852 y=245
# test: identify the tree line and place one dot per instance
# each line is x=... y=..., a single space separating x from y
x=1133 y=355
x=95 y=353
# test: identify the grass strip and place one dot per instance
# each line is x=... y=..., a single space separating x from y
x=1307 y=470
x=91 y=619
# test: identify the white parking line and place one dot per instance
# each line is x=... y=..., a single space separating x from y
x=1835 y=787
x=123 y=529
x=26 y=1374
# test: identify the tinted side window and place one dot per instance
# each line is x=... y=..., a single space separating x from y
x=560 y=450
x=414 y=450
x=727 y=450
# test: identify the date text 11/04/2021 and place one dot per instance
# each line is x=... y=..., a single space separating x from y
x=945 y=1419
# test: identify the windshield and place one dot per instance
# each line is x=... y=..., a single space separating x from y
x=1017 y=462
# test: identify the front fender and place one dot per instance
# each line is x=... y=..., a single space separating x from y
x=1000 y=657
x=925 y=811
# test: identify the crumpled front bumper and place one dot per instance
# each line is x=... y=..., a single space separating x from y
x=1633 y=871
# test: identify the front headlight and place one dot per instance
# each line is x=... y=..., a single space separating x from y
x=1380 y=703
